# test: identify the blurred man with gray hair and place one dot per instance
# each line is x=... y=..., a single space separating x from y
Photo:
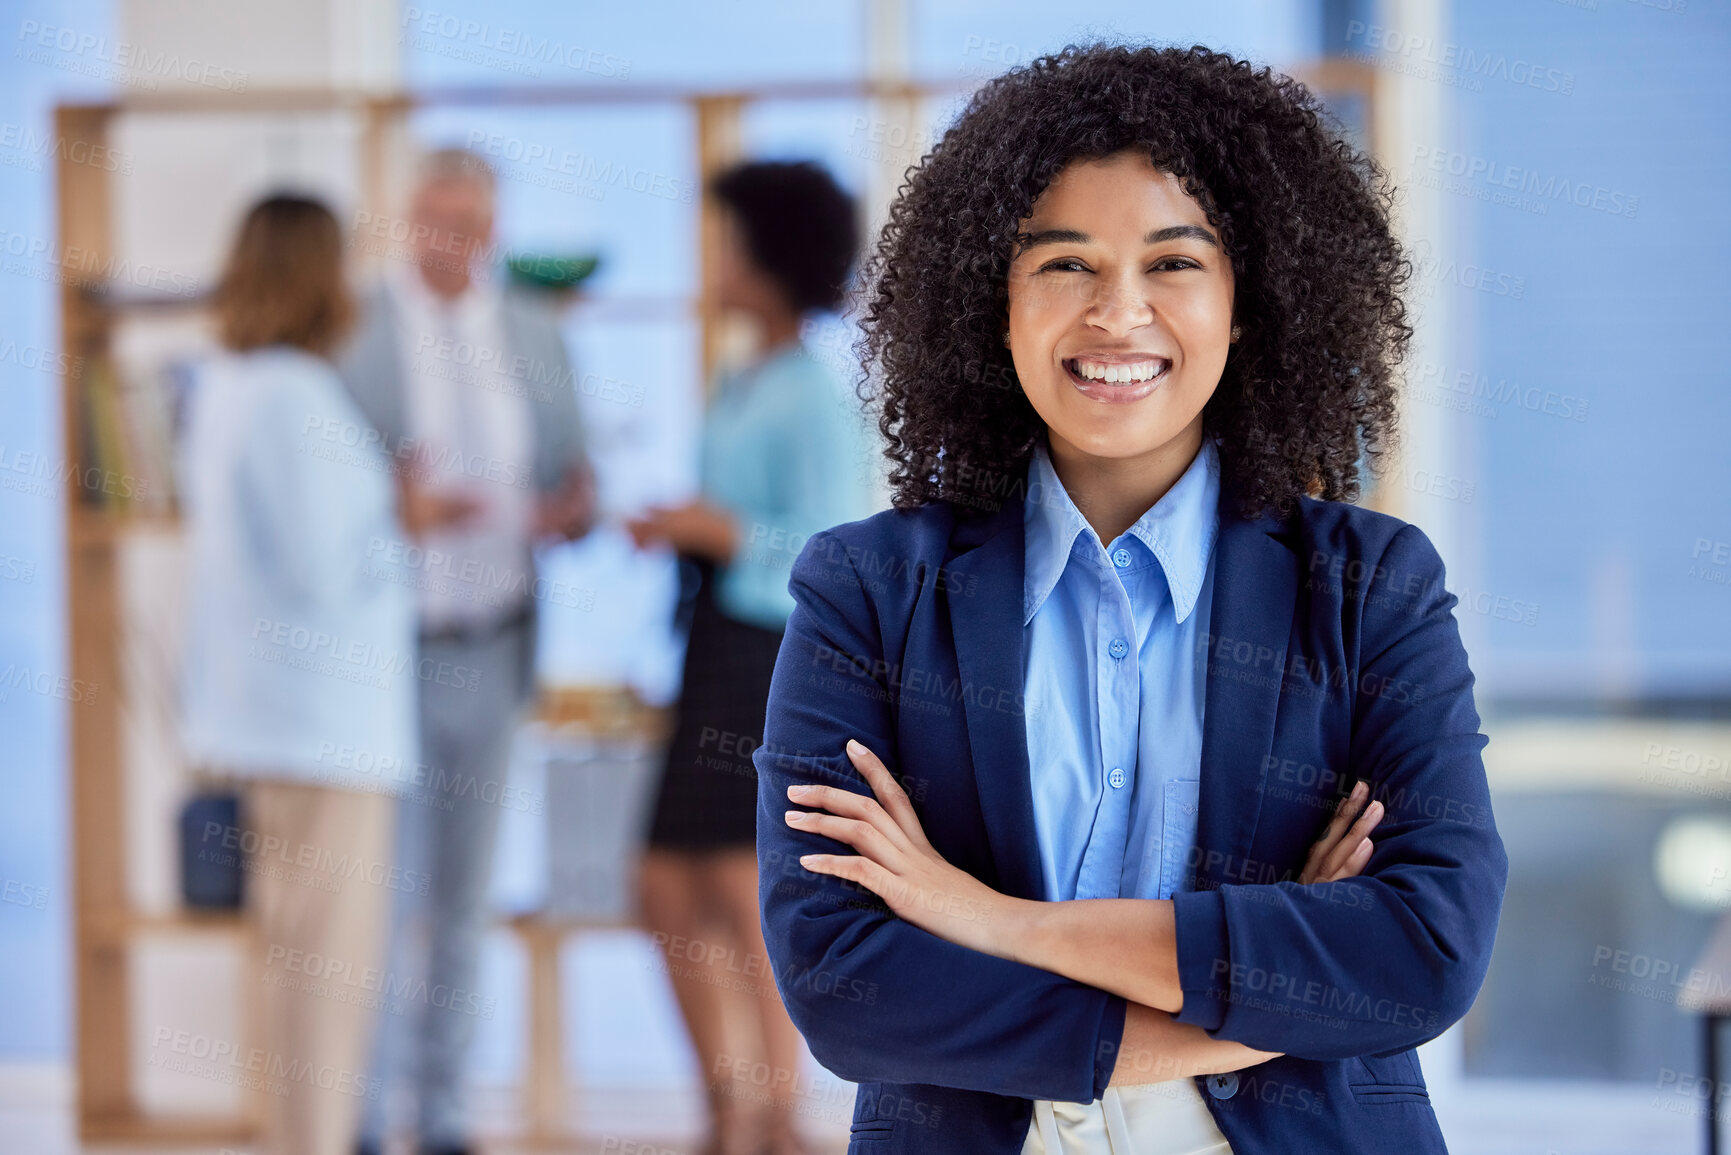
x=469 y=387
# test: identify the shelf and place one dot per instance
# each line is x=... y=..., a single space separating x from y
x=122 y=924
x=86 y=525
x=383 y=104
x=165 y=1130
x=115 y=300
x=602 y=712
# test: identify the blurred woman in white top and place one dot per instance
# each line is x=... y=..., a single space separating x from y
x=300 y=666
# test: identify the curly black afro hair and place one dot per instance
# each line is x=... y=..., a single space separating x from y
x=798 y=226
x=1308 y=392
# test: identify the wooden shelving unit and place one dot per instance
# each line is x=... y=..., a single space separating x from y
x=108 y=928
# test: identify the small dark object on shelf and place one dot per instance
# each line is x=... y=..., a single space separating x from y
x=211 y=854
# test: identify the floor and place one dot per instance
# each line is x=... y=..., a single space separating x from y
x=1479 y=1117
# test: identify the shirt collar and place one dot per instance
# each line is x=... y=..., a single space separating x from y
x=1179 y=530
x=471 y=303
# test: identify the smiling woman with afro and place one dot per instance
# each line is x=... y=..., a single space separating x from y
x=1121 y=788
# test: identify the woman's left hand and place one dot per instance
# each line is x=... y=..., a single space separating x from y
x=895 y=862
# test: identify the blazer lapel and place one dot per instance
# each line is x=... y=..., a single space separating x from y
x=374 y=370
x=1250 y=627
x=548 y=429
x=986 y=623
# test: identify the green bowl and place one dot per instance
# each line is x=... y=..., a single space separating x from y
x=539 y=271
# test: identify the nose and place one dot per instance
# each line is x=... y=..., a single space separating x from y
x=1119 y=306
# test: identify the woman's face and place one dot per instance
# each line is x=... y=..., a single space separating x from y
x=739 y=283
x=1120 y=310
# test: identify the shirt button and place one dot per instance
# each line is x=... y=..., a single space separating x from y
x=1223 y=1086
x=1121 y=557
x=1117 y=777
x=1117 y=649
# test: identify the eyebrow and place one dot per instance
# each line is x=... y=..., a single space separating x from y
x=1074 y=237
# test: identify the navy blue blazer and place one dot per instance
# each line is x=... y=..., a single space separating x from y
x=1333 y=655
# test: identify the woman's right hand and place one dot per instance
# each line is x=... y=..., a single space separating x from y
x=1345 y=846
x=1156 y=1048
x=424 y=510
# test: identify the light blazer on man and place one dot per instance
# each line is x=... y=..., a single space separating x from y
x=1333 y=654
x=534 y=356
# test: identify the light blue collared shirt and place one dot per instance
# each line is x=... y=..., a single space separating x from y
x=1113 y=689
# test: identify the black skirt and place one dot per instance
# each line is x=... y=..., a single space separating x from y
x=708 y=794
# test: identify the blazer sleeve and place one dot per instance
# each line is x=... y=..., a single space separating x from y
x=878 y=999
x=561 y=438
x=1380 y=963
x=370 y=366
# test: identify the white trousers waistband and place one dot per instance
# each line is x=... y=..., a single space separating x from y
x=1167 y=1118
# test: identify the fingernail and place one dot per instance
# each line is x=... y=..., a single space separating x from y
x=795 y=815
x=806 y=859
x=798 y=791
x=1376 y=806
x=854 y=747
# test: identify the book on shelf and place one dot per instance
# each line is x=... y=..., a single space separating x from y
x=125 y=439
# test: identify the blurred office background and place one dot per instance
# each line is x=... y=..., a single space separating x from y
x=1567 y=445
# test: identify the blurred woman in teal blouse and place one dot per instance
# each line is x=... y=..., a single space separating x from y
x=785 y=454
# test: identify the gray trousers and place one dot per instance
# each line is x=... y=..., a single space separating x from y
x=471 y=695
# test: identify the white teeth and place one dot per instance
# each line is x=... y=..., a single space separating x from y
x=1113 y=372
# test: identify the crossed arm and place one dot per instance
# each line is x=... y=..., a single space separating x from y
x=1125 y=946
